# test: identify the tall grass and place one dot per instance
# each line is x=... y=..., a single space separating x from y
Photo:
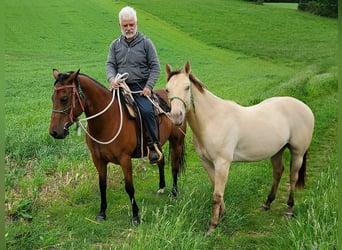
x=240 y=51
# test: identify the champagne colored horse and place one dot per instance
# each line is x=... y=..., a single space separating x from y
x=111 y=134
x=225 y=132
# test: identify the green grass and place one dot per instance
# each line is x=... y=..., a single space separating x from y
x=292 y=6
x=241 y=51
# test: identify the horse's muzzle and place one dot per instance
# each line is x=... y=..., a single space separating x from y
x=177 y=118
x=59 y=134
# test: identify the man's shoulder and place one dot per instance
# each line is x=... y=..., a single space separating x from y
x=116 y=43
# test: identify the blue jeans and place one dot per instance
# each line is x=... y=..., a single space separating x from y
x=147 y=115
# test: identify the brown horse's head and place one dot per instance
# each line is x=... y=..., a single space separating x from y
x=67 y=103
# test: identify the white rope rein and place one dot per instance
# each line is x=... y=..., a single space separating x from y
x=119 y=130
x=123 y=85
x=120 y=79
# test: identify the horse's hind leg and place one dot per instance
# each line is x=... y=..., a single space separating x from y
x=298 y=161
x=177 y=160
x=278 y=169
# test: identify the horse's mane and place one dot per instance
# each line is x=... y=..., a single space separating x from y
x=199 y=85
x=97 y=82
x=63 y=76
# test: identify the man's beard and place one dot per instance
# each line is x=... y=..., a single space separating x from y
x=130 y=34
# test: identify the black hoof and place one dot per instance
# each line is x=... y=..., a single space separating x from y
x=136 y=221
x=174 y=192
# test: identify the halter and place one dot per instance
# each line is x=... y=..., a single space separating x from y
x=180 y=99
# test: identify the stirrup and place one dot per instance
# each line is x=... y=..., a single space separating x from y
x=154 y=153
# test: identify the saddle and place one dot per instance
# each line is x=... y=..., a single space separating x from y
x=132 y=110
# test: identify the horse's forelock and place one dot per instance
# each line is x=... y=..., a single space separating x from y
x=62 y=77
x=172 y=74
x=200 y=86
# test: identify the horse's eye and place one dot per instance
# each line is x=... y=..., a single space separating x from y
x=64 y=99
x=167 y=91
x=187 y=88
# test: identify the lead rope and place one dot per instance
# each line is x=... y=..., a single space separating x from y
x=127 y=89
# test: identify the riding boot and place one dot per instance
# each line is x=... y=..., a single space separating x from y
x=154 y=152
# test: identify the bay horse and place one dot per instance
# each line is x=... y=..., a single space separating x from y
x=225 y=132
x=111 y=134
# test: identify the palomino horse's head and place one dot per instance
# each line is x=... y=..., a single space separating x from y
x=67 y=100
x=179 y=90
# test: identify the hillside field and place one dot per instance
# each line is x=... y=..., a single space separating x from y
x=241 y=51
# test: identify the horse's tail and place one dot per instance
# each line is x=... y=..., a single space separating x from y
x=302 y=173
x=181 y=159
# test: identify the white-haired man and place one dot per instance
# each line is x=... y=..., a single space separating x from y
x=135 y=54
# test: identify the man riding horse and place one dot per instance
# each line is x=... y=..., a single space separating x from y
x=135 y=54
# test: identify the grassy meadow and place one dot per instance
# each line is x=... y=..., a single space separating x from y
x=241 y=51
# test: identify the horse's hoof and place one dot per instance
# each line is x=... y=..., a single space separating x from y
x=100 y=218
x=172 y=196
x=210 y=230
x=289 y=215
x=264 y=208
x=174 y=193
x=136 y=221
x=160 y=191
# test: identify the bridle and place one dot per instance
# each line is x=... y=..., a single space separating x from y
x=77 y=94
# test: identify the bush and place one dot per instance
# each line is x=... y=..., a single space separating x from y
x=327 y=8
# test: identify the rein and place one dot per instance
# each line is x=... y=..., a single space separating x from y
x=121 y=79
x=79 y=122
x=78 y=94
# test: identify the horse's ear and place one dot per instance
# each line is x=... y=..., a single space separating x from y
x=168 y=69
x=74 y=75
x=187 y=69
x=55 y=73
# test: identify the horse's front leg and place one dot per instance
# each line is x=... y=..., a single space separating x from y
x=102 y=171
x=161 y=165
x=220 y=177
x=126 y=166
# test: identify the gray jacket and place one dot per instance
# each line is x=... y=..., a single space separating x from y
x=138 y=58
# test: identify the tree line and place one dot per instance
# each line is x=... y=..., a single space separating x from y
x=327 y=8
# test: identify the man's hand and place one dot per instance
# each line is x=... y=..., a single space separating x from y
x=114 y=84
x=146 y=92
